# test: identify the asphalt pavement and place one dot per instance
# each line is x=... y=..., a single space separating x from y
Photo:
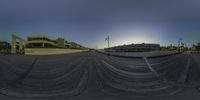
x=94 y=76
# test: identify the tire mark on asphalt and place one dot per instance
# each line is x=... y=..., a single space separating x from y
x=22 y=77
x=74 y=92
x=2 y=74
x=112 y=68
x=185 y=72
x=165 y=61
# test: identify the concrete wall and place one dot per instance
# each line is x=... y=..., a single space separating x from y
x=50 y=51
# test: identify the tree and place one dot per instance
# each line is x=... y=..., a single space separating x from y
x=198 y=46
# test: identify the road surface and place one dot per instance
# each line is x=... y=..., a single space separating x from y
x=95 y=76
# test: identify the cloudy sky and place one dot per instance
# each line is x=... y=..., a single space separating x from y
x=88 y=22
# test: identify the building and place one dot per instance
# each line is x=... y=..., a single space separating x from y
x=42 y=41
x=76 y=46
x=18 y=45
x=134 y=48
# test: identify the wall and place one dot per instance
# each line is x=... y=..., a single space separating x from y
x=50 y=51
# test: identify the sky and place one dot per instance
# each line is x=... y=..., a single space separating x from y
x=88 y=22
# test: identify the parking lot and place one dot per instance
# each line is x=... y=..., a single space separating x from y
x=93 y=75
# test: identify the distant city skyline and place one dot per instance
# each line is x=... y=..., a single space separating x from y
x=89 y=22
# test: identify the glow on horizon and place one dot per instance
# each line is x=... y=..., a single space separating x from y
x=135 y=35
x=143 y=37
x=130 y=39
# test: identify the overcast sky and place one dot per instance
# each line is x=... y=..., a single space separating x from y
x=88 y=22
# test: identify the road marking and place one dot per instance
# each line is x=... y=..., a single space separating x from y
x=150 y=67
x=185 y=72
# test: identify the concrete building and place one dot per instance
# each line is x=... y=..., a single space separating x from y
x=38 y=43
x=42 y=41
x=18 y=45
x=76 y=46
x=134 y=48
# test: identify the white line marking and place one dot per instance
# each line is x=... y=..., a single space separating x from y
x=150 y=67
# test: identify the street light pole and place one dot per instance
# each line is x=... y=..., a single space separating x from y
x=108 y=42
x=108 y=39
x=179 y=43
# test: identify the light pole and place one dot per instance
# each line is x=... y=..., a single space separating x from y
x=179 y=43
x=108 y=39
